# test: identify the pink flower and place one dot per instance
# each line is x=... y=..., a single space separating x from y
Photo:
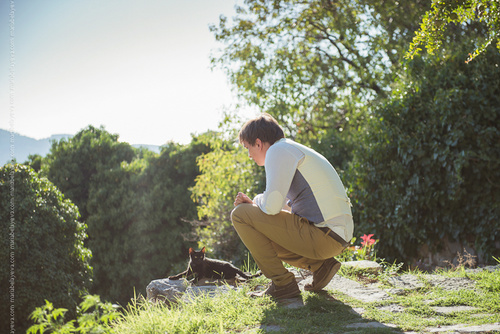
x=367 y=240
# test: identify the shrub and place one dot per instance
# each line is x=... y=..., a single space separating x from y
x=94 y=316
x=137 y=220
x=225 y=171
x=431 y=168
x=48 y=259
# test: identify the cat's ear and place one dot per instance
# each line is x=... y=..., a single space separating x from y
x=203 y=250
x=191 y=250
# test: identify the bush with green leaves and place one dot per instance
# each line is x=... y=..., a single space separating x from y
x=94 y=316
x=225 y=171
x=430 y=169
x=139 y=215
x=46 y=242
x=315 y=65
x=468 y=14
x=72 y=164
x=136 y=204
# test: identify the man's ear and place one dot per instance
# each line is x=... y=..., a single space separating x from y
x=258 y=143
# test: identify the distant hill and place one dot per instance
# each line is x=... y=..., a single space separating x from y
x=24 y=146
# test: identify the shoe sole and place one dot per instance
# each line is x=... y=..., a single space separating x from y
x=333 y=272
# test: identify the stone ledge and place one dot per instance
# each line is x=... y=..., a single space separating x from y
x=369 y=266
x=170 y=291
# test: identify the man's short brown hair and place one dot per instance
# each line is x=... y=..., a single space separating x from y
x=264 y=127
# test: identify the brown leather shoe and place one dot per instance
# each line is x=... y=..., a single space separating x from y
x=323 y=275
x=291 y=290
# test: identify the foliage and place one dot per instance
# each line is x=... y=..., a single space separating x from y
x=364 y=251
x=315 y=65
x=136 y=205
x=72 y=164
x=44 y=242
x=227 y=312
x=35 y=161
x=94 y=316
x=458 y=12
x=137 y=219
x=224 y=171
x=431 y=169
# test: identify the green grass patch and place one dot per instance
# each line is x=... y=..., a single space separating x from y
x=226 y=312
x=324 y=312
x=417 y=310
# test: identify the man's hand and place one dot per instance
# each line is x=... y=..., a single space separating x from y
x=242 y=198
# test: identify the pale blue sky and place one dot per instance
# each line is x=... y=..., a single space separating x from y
x=140 y=68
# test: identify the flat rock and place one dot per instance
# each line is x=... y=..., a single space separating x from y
x=370 y=266
x=165 y=290
x=406 y=281
x=452 y=309
x=489 y=268
x=392 y=308
x=488 y=328
x=356 y=290
x=450 y=283
x=210 y=290
x=170 y=291
x=371 y=324
x=410 y=282
x=492 y=268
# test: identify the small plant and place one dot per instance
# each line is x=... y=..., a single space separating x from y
x=463 y=261
x=365 y=251
x=94 y=316
x=51 y=320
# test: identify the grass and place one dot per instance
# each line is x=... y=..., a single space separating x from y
x=228 y=312
x=234 y=312
x=332 y=312
x=417 y=305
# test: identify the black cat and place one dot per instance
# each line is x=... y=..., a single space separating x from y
x=200 y=266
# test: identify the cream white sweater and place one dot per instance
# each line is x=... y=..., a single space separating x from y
x=303 y=179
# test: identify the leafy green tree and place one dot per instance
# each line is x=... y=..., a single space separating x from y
x=465 y=13
x=136 y=203
x=225 y=170
x=42 y=240
x=34 y=161
x=431 y=167
x=138 y=215
x=315 y=65
x=72 y=164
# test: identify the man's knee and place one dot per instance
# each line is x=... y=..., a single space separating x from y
x=239 y=212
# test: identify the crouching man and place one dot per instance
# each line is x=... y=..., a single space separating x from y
x=303 y=217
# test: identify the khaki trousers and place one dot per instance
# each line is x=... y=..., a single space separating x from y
x=286 y=237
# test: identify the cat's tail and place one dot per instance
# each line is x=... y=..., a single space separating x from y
x=248 y=276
